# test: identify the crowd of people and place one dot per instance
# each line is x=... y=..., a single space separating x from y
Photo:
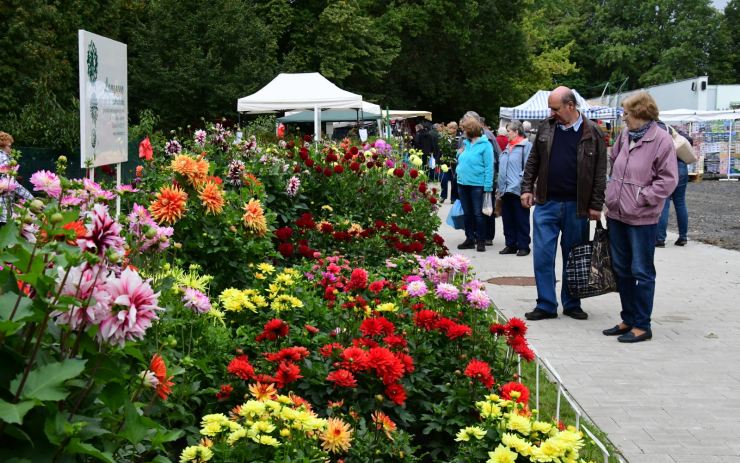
x=559 y=170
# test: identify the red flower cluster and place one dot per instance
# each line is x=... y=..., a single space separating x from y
x=513 y=386
x=224 y=392
x=241 y=367
x=273 y=329
x=515 y=331
x=293 y=354
x=358 y=279
x=480 y=371
x=431 y=320
x=378 y=326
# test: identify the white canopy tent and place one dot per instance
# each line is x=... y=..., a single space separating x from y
x=536 y=108
x=301 y=91
x=407 y=114
x=692 y=115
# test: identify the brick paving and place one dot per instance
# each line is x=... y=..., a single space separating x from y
x=674 y=399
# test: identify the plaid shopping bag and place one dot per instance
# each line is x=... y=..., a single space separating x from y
x=589 y=268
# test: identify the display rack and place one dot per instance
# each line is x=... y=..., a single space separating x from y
x=718 y=147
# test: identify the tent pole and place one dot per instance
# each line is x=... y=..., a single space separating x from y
x=316 y=124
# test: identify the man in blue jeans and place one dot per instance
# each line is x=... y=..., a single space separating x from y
x=565 y=176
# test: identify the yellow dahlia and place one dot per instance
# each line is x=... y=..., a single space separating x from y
x=169 y=205
x=337 y=437
x=254 y=217
x=212 y=198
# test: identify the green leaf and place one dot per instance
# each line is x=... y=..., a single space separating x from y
x=10 y=328
x=8 y=235
x=7 y=302
x=161 y=459
x=114 y=396
x=14 y=413
x=47 y=382
x=163 y=436
x=134 y=429
x=77 y=447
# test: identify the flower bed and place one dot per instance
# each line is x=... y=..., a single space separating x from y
x=270 y=303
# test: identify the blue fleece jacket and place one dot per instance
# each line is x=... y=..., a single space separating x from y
x=475 y=164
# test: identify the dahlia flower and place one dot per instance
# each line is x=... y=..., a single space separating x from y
x=173 y=147
x=103 y=233
x=83 y=282
x=254 y=217
x=447 y=291
x=479 y=299
x=212 y=198
x=416 y=288
x=293 y=184
x=48 y=182
x=96 y=191
x=161 y=382
x=200 y=137
x=169 y=205
x=196 y=301
x=337 y=438
x=133 y=307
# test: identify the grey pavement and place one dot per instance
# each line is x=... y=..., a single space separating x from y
x=674 y=399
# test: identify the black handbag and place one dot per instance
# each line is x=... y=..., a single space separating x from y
x=589 y=269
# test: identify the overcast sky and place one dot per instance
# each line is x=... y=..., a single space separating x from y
x=720 y=4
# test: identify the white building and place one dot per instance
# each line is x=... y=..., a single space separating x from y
x=694 y=93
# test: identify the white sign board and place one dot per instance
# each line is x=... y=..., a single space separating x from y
x=103 y=100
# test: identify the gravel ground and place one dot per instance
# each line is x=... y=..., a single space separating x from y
x=714 y=213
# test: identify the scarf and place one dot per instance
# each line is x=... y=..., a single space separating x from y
x=639 y=133
x=514 y=142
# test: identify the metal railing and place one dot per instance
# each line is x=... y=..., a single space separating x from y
x=579 y=412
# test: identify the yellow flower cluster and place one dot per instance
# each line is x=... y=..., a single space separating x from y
x=276 y=296
x=270 y=422
x=523 y=435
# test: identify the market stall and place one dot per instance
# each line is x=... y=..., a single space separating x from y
x=536 y=108
x=301 y=91
x=716 y=142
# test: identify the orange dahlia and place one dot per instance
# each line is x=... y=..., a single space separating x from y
x=254 y=217
x=169 y=205
x=382 y=421
x=158 y=367
x=337 y=437
x=262 y=391
x=195 y=170
x=212 y=198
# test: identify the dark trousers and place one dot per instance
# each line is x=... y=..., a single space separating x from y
x=633 y=260
x=471 y=198
x=516 y=222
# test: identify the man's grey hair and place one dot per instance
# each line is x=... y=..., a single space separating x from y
x=527 y=126
x=570 y=97
x=516 y=126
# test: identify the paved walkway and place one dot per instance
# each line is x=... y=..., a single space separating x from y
x=674 y=399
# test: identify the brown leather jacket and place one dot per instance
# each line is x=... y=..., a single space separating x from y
x=591 y=166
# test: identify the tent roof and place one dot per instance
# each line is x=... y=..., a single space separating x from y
x=298 y=91
x=406 y=114
x=692 y=115
x=535 y=108
x=369 y=112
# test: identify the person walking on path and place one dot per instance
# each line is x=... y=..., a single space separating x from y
x=678 y=197
x=511 y=169
x=644 y=173
x=474 y=178
x=567 y=165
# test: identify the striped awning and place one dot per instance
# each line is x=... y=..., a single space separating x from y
x=536 y=108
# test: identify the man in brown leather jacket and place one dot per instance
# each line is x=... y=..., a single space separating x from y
x=565 y=176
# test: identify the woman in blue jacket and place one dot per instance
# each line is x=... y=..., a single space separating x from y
x=511 y=170
x=474 y=177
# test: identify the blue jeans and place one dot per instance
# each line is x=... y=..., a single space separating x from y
x=471 y=198
x=633 y=252
x=550 y=220
x=444 y=180
x=679 y=203
x=516 y=222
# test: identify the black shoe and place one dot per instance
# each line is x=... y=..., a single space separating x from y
x=681 y=242
x=522 y=252
x=508 y=250
x=616 y=330
x=489 y=242
x=632 y=337
x=467 y=244
x=480 y=246
x=578 y=314
x=660 y=244
x=539 y=314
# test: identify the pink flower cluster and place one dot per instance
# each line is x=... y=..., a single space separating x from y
x=123 y=307
x=147 y=231
x=196 y=300
x=48 y=182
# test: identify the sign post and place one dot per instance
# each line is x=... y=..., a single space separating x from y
x=103 y=103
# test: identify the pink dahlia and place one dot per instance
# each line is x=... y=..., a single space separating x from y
x=479 y=299
x=447 y=291
x=196 y=300
x=103 y=233
x=97 y=191
x=416 y=288
x=48 y=182
x=87 y=284
x=133 y=307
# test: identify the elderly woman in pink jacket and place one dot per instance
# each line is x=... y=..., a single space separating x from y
x=643 y=175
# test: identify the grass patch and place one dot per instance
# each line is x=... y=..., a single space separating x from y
x=548 y=409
